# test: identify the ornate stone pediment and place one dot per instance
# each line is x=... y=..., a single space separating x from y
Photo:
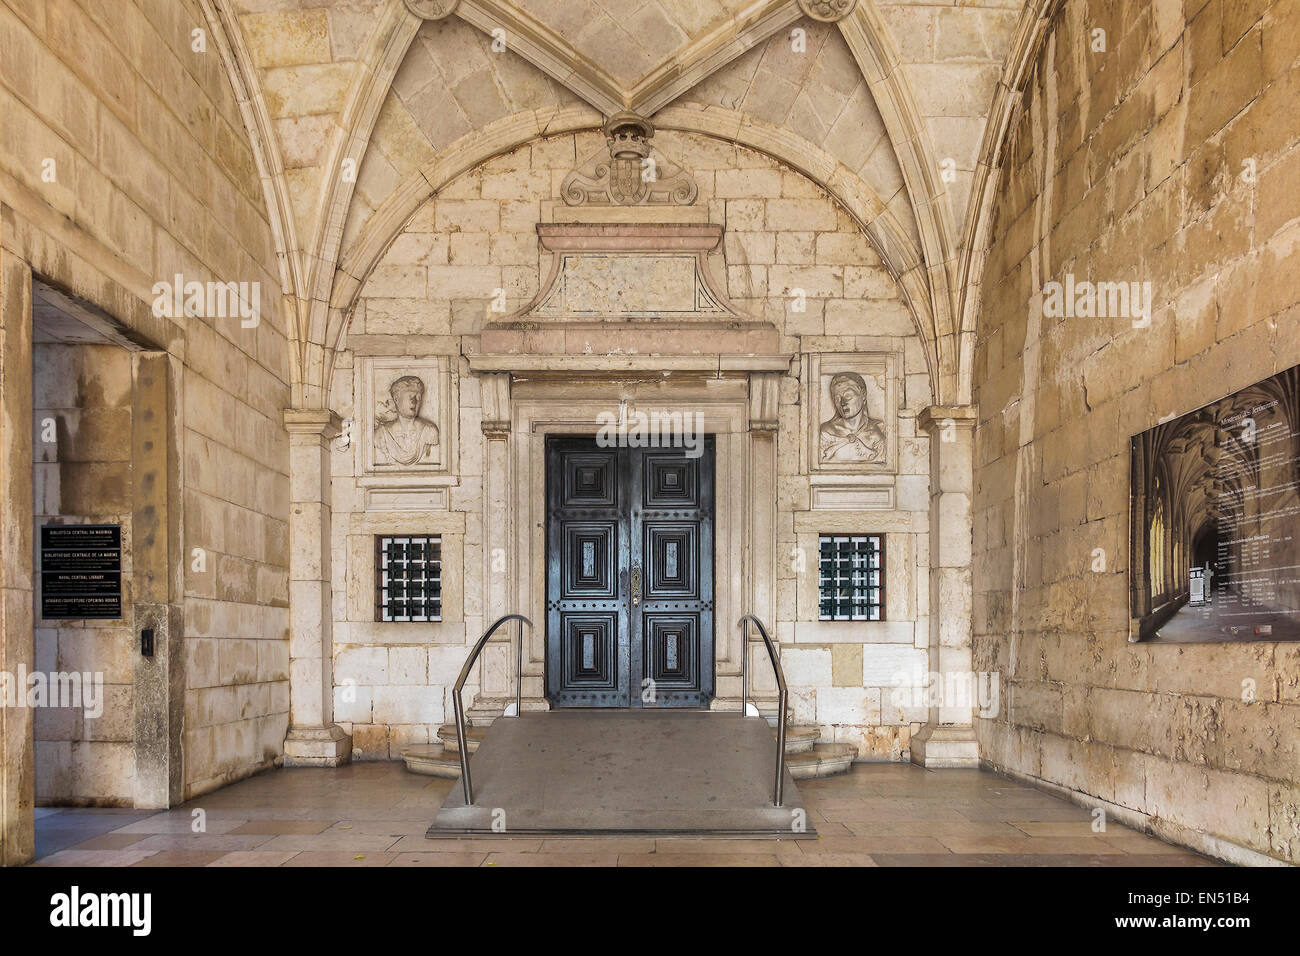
x=619 y=272
x=632 y=290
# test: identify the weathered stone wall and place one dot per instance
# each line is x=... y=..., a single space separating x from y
x=124 y=161
x=82 y=402
x=1170 y=158
x=431 y=295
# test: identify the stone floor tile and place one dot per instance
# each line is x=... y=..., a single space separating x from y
x=593 y=858
x=339 y=858
x=439 y=859
x=182 y=858
x=331 y=840
x=254 y=858
x=278 y=827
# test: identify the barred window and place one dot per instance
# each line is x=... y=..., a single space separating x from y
x=408 y=578
x=851 y=578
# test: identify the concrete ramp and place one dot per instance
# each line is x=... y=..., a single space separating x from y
x=626 y=772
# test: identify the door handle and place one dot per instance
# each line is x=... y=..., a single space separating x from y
x=636 y=585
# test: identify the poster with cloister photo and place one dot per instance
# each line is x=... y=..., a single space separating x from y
x=1215 y=542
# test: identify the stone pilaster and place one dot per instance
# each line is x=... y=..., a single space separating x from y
x=763 y=394
x=496 y=663
x=948 y=738
x=17 y=759
x=314 y=739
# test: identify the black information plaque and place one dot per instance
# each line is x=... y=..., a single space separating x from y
x=81 y=571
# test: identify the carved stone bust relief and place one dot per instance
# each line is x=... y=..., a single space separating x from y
x=853 y=412
x=402 y=435
x=850 y=434
x=403 y=407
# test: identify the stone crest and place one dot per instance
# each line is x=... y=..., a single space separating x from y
x=633 y=174
x=853 y=412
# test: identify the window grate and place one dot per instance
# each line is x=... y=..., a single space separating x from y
x=851 y=578
x=408 y=578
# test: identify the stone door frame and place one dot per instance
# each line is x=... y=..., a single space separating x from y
x=533 y=408
x=35 y=243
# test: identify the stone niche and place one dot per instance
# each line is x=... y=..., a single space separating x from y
x=406 y=431
x=628 y=291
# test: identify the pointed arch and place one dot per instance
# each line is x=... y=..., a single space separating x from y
x=886 y=234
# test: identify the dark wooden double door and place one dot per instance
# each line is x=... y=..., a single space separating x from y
x=629 y=586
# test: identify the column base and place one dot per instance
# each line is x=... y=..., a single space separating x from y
x=317 y=747
x=937 y=747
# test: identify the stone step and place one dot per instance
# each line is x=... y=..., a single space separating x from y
x=800 y=739
x=433 y=760
x=797 y=739
x=473 y=737
x=804 y=756
x=821 y=761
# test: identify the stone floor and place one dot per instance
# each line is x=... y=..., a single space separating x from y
x=375 y=814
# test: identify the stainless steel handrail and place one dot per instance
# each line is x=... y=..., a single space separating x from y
x=459 y=705
x=784 y=697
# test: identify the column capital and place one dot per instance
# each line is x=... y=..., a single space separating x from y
x=933 y=418
x=313 y=421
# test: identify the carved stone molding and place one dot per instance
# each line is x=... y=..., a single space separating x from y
x=827 y=11
x=764 y=392
x=432 y=9
x=634 y=173
x=495 y=391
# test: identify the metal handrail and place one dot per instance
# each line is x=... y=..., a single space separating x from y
x=459 y=705
x=784 y=697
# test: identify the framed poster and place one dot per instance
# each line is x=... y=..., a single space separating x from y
x=1214 y=549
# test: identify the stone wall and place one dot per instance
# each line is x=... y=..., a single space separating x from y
x=1169 y=157
x=124 y=161
x=431 y=295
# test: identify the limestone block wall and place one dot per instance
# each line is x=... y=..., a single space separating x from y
x=1169 y=157
x=124 y=161
x=430 y=296
x=83 y=476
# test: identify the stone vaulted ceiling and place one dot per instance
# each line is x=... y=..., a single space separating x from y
x=359 y=111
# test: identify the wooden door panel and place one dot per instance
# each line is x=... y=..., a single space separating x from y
x=590 y=560
x=587 y=651
x=672 y=651
x=595 y=665
x=672 y=553
x=629 y=592
x=670 y=480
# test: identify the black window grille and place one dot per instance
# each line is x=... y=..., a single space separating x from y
x=408 y=578
x=851 y=577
